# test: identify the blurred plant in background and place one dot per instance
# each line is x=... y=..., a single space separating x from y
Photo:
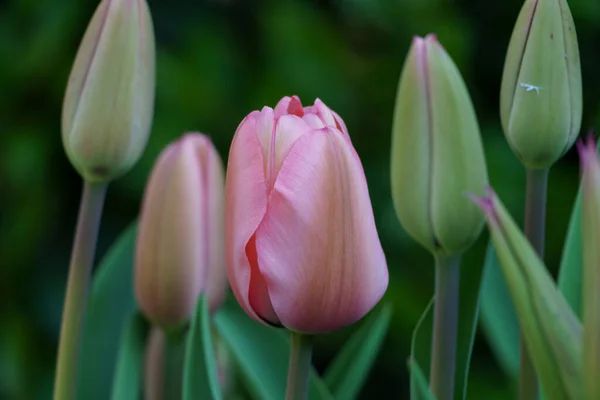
x=215 y=61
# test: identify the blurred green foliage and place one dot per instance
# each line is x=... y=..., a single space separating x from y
x=217 y=61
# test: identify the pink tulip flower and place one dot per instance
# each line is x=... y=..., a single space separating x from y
x=301 y=244
x=180 y=243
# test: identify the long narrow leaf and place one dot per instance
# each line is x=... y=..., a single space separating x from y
x=420 y=351
x=128 y=375
x=498 y=315
x=262 y=354
x=420 y=382
x=468 y=318
x=201 y=380
x=349 y=370
x=111 y=304
x=570 y=275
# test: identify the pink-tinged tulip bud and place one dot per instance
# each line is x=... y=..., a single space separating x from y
x=301 y=243
x=180 y=249
x=437 y=154
x=109 y=102
x=591 y=267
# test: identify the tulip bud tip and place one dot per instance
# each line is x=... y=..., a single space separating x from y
x=486 y=203
x=432 y=37
x=587 y=149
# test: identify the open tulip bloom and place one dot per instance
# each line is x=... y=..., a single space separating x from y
x=301 y=244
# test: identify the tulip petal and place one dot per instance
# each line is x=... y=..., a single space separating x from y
x=320 y=202
x=289 y=129
x=289 y=105
x=258 y=296
x=246 y=204
x=458 y=165
x=314 y=121
x=276 y=138
x=213 y=215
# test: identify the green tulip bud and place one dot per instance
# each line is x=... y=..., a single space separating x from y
x=540 y=98
x=109 y=102
x=437 y=154
x=551 y=331
x=591 y=267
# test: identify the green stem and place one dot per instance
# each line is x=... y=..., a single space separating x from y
x=299 y=369
x=80 y=271
x=535 y=226
x=174 y=361
x=445 y=326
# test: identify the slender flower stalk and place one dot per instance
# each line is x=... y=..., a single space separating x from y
x=299 y=369
x=445 y=326
x=153 y=365
x=80 y=270
x=173 y=363
x=535 y=222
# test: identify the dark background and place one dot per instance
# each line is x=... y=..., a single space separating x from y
x=217 y=61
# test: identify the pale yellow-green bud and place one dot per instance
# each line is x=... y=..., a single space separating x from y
x=591 y=268
x=540 y=98
x=437 y=154
x=551 y=330
x=109 y=102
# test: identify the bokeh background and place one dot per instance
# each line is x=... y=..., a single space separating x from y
x=217 y=61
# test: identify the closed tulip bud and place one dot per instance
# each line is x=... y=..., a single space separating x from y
x=551 y=330
x=540 y=98
x=437 y=155
x=109 y=102
x=179 y=248
x=302 y=247
x=591 y=267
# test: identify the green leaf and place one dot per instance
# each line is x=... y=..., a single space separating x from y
x=499 y=317
x=200 y=375
x=469 y=302
x=469 y=299
x=110 y=306
x=350 y=368
x=420 y=350
x=128 y=376
x=262 y=354
x=419 y=381
x=570 y=275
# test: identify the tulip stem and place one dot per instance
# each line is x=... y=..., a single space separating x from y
x=535 y=221
x=174 y=361
x=299 y=369
x=80 y=271
x=445 y=326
